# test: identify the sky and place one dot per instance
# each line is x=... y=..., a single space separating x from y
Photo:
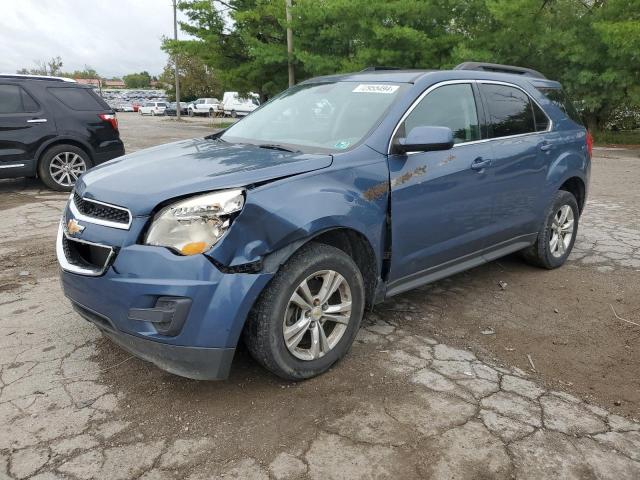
x=115 y=37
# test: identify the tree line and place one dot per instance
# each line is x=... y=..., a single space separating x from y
x=53 y=67
x=591 y=46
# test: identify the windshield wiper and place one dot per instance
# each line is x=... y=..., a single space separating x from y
x=275 y=146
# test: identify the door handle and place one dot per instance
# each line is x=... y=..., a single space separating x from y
x=37 y=120
x=480 y=163
x=545 y=146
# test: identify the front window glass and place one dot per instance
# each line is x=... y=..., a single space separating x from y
x=510 y=111
x=318 y=116
x=450 y=106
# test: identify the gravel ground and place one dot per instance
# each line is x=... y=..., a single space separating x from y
x=437 y=385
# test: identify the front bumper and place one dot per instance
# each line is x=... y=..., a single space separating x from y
x=137 y=278
x=199 y=363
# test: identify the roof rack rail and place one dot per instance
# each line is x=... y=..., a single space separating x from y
x=37 y=77
x=498 y=68
x=379 y=68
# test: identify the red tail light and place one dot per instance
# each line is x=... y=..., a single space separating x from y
x=589 y=144
x=111 y=118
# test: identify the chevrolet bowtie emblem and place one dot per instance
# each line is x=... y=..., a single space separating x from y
x=74 y=227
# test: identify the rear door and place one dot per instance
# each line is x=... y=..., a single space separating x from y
x=440 y=201
x=24 y=126
x=521 y=155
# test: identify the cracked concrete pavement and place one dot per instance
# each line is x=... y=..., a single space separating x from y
x=410 y=400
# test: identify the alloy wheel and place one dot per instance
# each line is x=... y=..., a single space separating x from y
x=66 y=167
x=562 y=231
x=317 y=315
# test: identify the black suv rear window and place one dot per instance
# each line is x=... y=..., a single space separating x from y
x=14 y=99
x=79 y=98
x=560 y=99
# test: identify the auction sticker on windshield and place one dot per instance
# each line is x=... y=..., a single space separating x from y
x=363 y=88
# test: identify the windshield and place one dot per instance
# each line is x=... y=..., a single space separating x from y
x=317 y=117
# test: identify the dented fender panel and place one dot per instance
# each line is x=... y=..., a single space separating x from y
x=351 y=194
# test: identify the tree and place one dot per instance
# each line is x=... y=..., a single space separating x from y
x=196 y=79
x=137 y=80
x=53 y=67
x=591 y=46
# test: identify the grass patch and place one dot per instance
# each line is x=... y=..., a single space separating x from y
x=631 y=137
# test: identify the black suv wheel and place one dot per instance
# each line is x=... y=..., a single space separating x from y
x=61 y=166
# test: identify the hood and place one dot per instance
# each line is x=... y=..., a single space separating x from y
x=142 y=180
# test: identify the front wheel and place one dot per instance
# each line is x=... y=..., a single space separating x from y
x=190 y=112
x=558 y=234
x=309 y=315
x=234 y=114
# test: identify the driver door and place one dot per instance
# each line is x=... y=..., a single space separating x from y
x=440 y=200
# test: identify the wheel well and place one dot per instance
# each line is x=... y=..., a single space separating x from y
x=359 y=249
x=65 y=142
x=575 y=186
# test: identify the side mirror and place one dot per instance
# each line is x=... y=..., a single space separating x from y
x=426 y=139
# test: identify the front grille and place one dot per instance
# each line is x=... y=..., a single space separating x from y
x=100 y=211
x=87 y=256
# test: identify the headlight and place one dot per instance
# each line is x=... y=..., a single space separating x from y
x=196 y=224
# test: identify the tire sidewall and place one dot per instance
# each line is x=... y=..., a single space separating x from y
x=289 y=281
x=562 y=198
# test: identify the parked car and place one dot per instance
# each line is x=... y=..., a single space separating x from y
x=54 y=128
x=334 y=196
x=172 y=107
x=236 y=106
x=152 y=108
x=136 y=106
x=126 y=107
x=204 y=106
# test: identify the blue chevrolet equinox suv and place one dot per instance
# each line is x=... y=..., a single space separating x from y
x=335 y=195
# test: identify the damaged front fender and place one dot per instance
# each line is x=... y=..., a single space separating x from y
x=287 y=212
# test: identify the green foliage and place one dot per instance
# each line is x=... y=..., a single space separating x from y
x=196 y=79
x=53 y=67
x=137 y=80
x=591 y=46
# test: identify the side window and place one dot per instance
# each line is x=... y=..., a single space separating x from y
x=14 y=99
x=80 y=99
x=510 y=111
x=560 y=99
x=450 y=106
x=542 y=121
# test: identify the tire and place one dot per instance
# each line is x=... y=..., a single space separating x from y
x=211 y=113
x=546 y=253
x=234 y=114
x=264 y=333
x=190 y=112
x=51 y=166
x=153 y=113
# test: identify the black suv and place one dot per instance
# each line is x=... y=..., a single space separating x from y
x=54 y=128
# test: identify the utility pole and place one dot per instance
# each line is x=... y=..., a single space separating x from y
x=175 y=60
x=292 y=79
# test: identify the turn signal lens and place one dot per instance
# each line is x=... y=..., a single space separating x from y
x=194 y=248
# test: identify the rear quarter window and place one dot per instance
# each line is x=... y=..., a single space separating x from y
x=81 y=99
x=560 y=99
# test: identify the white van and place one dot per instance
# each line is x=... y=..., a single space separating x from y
x=236 y=106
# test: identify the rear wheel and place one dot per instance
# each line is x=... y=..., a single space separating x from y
x=308 y=317
x=234 y=114
x=61 y=166
x=555 y=240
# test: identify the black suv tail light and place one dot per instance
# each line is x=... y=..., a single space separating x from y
x=111 y=118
